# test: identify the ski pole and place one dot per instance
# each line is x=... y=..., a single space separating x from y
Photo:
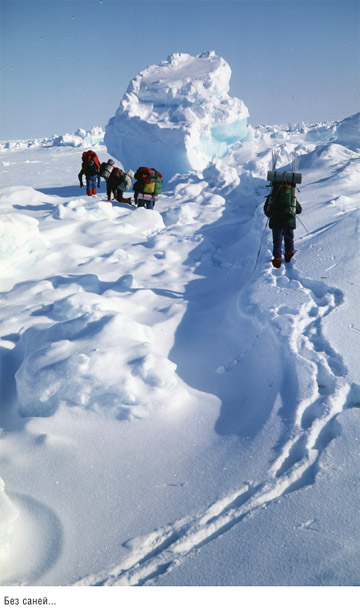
x=257 y=258
x=299 y=219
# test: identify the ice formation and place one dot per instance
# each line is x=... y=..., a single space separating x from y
x=345 y=132
x=19 y=237
x=177 y=116
x=80 y=138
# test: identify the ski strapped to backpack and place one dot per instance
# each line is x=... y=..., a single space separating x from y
x=282 y=200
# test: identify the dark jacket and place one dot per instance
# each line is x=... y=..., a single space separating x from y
x=281 y=206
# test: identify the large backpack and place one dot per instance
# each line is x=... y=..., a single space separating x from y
x=106 y=169
x=283 y=199
x=116 y=176
x=90 y=162
x=148 y=180
x=280 y=205
x=127 y=179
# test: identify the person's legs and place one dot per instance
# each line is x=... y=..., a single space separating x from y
x=289 y=241
x=277 y=241
x=88 y=186
x=91 y=185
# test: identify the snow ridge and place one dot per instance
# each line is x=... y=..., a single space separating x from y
x=295 y=467
x=325 y=393
x=163 y=332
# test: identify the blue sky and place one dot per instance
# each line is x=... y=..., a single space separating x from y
x=66 y=64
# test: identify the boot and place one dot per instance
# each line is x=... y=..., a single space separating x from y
x=276 y=262
x=94 y=191
x=89 y=192
x=288 y=256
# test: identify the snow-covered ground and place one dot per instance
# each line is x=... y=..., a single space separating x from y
x=172 y=415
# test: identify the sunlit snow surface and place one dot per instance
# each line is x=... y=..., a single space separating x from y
x=170 y=414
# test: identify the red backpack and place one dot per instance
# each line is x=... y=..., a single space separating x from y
x=90 y=158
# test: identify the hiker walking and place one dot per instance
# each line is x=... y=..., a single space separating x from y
x=90 y=167
x=147 y=187
x=124 y=185
x=117 y=181
x=281 y=207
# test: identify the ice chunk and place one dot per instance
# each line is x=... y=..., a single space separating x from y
x=19 y=236
x=177 y=116
x=80 y=138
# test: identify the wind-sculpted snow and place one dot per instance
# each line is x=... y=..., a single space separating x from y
x=8 y=516
x=314 y=388
x=87 y=346
x=177 y=116
x=81 y=138
x=172 y=414
x=344 y=132
x=20 y=241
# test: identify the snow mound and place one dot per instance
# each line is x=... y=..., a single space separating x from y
x=23 y=196
x=84 y=209
x=178 y=115
x=92 y=358
x=81 y=138
x=19 y=236
x=8 y=515
x=346 y=132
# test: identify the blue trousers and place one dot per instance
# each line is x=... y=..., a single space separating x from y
x=91 y=182
x=280 y=234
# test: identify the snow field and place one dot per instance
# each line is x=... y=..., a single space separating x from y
x=161 y=393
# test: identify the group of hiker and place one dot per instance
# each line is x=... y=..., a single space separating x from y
x=146 y=188
x=281 y=205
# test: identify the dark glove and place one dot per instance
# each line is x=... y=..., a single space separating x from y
x=81 y=183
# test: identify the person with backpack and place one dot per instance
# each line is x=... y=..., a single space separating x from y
x=147 y=187
x=117 y=181
x=90 y=167
x=281 y=207
x=124 y=185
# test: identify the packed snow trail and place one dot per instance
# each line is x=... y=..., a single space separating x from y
x=313 y=391
x=166 y=335
x=295 y=467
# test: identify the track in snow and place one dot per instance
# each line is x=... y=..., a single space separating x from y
x=313 y=428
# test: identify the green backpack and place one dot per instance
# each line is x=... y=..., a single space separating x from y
x=283 y=201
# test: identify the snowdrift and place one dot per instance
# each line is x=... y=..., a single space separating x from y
x=344 y=132
x=177 y=116
x=173 y=414
x=81 y=138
